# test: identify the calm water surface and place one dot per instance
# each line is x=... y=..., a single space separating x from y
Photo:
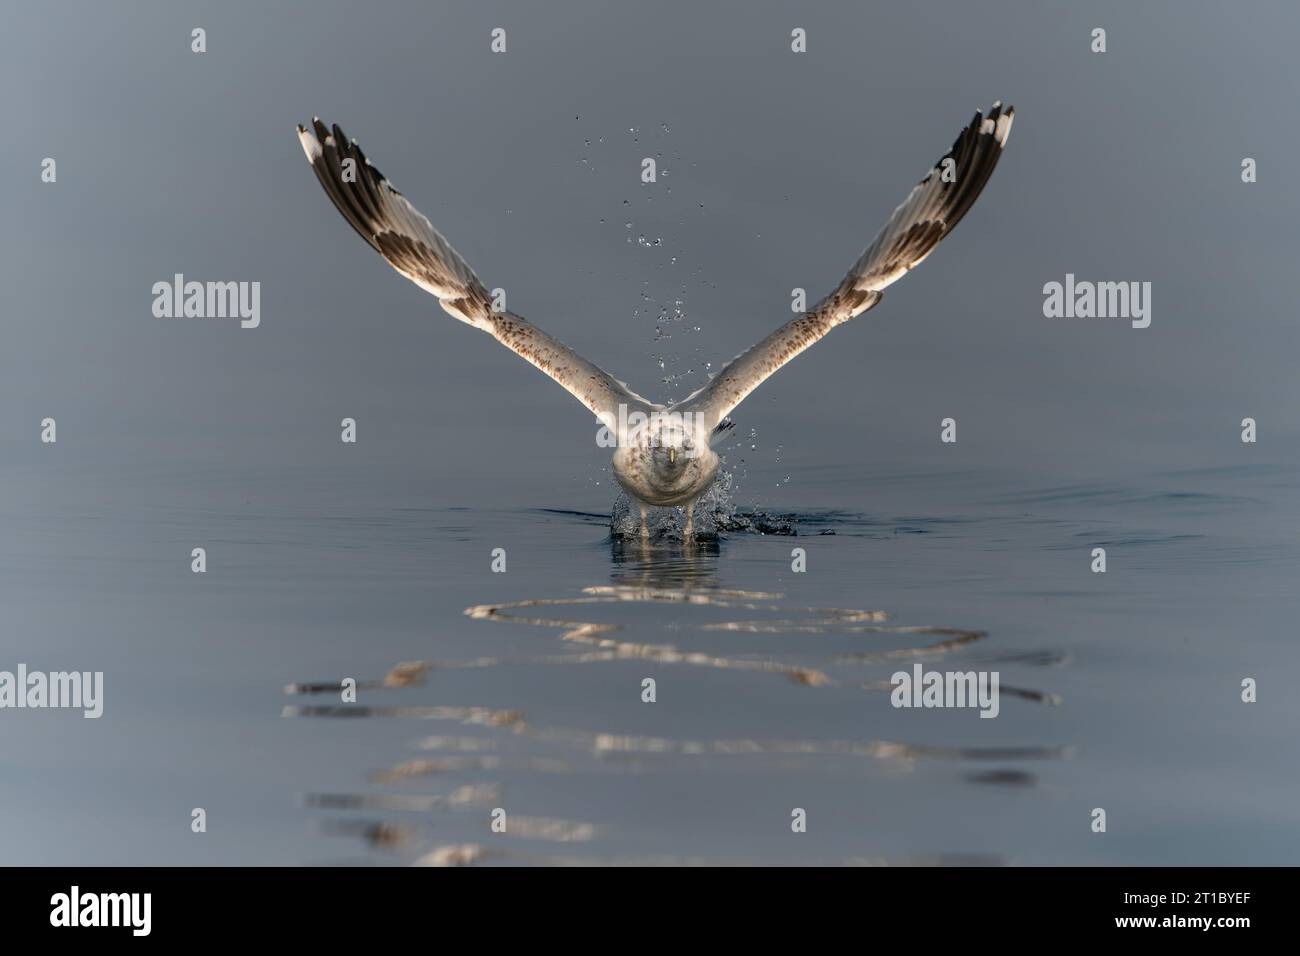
x=1120 y=690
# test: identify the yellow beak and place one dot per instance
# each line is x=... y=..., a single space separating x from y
x=672 y=456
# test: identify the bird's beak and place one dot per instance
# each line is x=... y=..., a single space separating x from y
x=672 y=456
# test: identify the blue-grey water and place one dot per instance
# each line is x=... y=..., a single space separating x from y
x=314 y=577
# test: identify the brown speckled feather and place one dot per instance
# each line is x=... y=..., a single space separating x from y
x=401 y=234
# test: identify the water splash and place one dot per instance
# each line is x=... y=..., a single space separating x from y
x=716 y=515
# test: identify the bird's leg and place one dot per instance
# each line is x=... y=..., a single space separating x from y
x=645 y=524
x=689 y=530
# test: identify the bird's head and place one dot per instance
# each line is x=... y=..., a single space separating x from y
x=672 y=456
x=671 y=445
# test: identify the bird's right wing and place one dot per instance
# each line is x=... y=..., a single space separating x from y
x=402 y=235
x=930 y=211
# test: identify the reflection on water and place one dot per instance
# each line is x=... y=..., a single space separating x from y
x=651 y=573
x=771 y=686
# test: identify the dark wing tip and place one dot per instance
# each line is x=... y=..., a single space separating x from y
x=722 y=427
x=358 y=200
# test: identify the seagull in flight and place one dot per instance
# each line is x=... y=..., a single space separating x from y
x=662 y=455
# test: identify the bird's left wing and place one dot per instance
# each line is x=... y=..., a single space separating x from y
x=930 y=211
x=402 y=235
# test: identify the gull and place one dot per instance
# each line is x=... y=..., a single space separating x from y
x=663 y=455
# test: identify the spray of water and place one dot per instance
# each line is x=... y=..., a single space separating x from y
x=716 y=515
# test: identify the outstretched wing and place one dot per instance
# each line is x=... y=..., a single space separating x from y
x=929 y=213
x=402 y=235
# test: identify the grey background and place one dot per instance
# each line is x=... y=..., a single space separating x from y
x=776 y=170
x=1122 y=166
